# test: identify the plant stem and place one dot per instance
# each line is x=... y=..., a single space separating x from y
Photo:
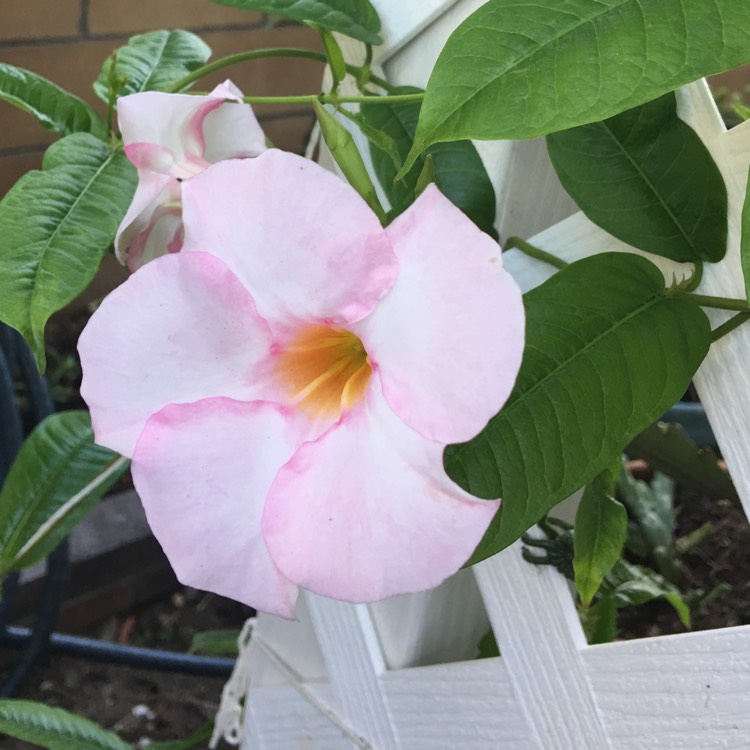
x=717 y=592
x=110 y=116
x=224 y=62
x=332 y=99
x=534 y=252
x=720 y=303
x=385 y=99
x=734 y=322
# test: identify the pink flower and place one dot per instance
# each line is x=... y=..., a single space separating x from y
x=170 y=138
x=286 y=385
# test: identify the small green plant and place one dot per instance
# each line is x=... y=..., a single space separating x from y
x=56 y=729
x=623 y=550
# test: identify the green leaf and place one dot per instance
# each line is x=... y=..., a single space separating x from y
x=651 y=532
x=523 y=68
x=652 y=508
x=381 y=139
x=55 y=227
x=607 y=352
x=216 y=642
x=334 y=54
x=197 y=738
x=669 y=449
x=646 y=177
x=53 y=728
x=153 y=62
x=355 y=18
x=599 y=621
x=55 y=109
x=600 y=530
x=628 y=585
x=56 y=478
x=457 y=167
x=487 y=646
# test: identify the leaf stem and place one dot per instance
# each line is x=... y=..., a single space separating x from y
x=534 y=252
x=256 y=54
x=720 y=303
x=734 y=322
x=694 y=281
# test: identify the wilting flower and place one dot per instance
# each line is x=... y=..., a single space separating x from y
x=287 y=383
x=170 y=138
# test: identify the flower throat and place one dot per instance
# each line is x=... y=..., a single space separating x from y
x=325 y=370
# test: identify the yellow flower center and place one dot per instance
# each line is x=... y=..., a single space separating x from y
x=325 y=370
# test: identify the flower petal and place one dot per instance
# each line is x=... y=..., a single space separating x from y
x=232 y=131
x=162 y=235
x=181 y=329
x=447 y=339
x=366 y=511
x=149 y=157
x=166 y=133
x=303 y=242
x=157 y=229
x=202 y=471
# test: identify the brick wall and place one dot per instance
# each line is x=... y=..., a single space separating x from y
x=67 y=41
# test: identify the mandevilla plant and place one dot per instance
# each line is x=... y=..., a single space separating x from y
x=318 y=389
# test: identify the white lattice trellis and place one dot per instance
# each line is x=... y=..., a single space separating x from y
x=344 y=676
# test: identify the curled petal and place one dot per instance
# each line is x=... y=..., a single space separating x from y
x=150 y=157
x=204 y=494
x=153 y=224
x=180 y=134
x=163 y=234
x=232 y=131
x=366 y=511
x=447 y=339
x=181 y=329
x=227 y=90
x=304 y=243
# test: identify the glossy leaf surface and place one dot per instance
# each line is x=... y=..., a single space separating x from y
x=520 y=69
x=54 y=108
x=652 y=520
x=54 y=728
x=607 y=352
x=152 y=62
x=627 y=585
x=55 y=227
x=646 y=177
x=457 y=167
x=600 y=530
x=57 y=477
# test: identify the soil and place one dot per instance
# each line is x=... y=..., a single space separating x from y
x=721 y=558
x=136 y=704
x=139 y=704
